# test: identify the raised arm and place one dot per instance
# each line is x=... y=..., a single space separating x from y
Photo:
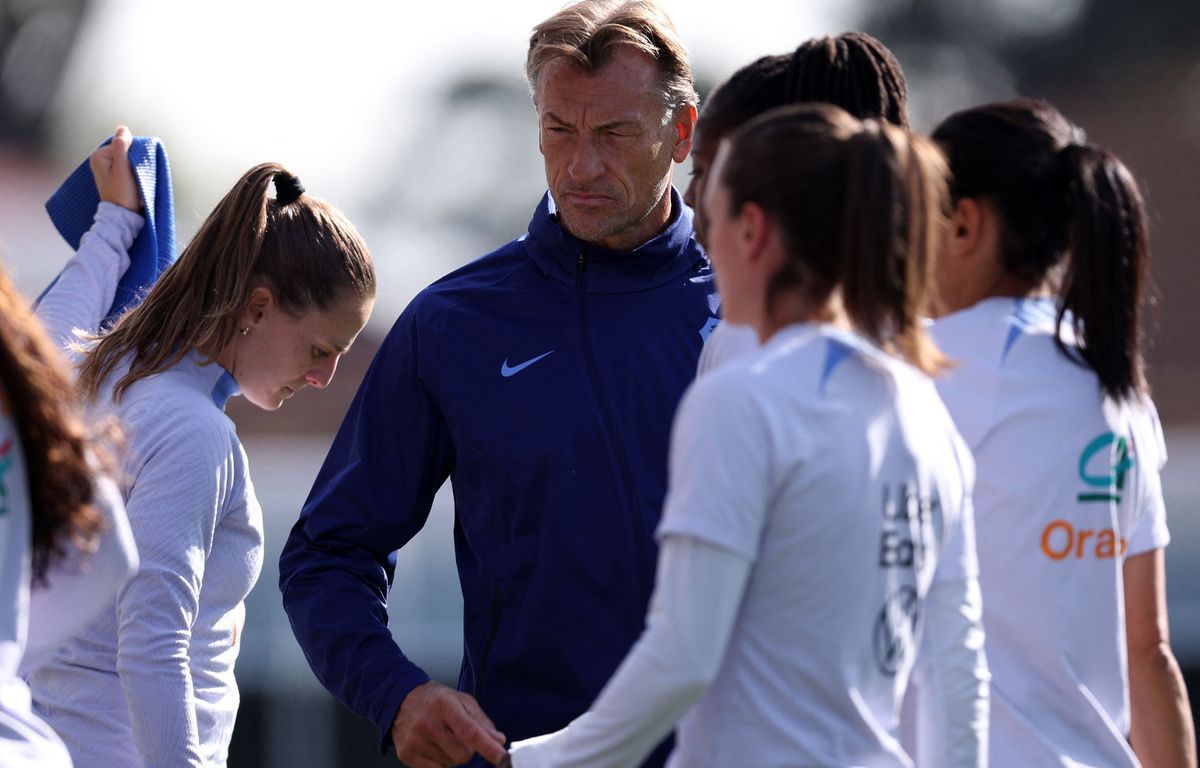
x=372 y=495
x=84 y=291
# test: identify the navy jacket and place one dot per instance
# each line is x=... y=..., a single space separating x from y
x=542 y=379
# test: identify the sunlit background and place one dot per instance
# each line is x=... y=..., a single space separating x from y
x=414 y=119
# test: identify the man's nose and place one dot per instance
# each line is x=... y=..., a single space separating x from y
x=585 y=163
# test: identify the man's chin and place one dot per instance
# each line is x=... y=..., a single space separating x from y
x=588 y=227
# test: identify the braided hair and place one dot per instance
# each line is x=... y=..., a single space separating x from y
x=853 y=71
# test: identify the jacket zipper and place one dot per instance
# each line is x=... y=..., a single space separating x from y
x=639 y=538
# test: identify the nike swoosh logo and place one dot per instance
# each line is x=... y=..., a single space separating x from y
x=507 y=370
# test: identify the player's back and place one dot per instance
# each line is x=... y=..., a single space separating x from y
x=1066 y=489
x=866 y=480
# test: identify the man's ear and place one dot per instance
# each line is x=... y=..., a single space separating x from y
x=685 y=132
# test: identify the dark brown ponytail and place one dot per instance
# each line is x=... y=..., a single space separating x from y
x=1102 y=285
x=1069 y=212
x=893 y=228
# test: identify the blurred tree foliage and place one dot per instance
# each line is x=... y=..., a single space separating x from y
x=1038 y=39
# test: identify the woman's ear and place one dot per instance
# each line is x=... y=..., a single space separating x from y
x=754 y=229
x=966 y=230
x=259 y=304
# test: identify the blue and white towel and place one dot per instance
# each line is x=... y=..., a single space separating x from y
x=73 y=206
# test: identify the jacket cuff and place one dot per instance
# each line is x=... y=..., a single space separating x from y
x=409 y=679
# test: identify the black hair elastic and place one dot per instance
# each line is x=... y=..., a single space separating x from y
x=287 y=188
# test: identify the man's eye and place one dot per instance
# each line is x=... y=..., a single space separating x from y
x=318 y=352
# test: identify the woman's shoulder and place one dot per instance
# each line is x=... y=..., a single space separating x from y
x=173 y=405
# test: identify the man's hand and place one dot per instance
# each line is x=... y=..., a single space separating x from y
x=113 y=174
x=438 y=727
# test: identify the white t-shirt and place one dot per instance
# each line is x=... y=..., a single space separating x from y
x=1067 y=488
x=836 y=470
x=818 y=506
x=726 y=342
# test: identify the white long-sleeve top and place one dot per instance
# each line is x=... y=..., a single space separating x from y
x=817 y=531
x=87 y=285
x=80 y=584
x=35 y=621
x=151 y=681
x=24 y=739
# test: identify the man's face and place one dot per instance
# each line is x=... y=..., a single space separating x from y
x=609 y=145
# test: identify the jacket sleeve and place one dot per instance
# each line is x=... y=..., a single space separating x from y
x=372 y=495
x=83 y=292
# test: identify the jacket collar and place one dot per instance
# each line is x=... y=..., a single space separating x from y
x=556 y=252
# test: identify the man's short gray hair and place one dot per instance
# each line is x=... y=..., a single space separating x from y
x=587 y=34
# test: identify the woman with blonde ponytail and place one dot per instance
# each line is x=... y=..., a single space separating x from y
x=817 y=535
x=1041 y=291
x=267 y=296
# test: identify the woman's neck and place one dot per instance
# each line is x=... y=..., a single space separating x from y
x=791 y=307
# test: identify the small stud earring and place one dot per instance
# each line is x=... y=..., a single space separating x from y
x=246 y=330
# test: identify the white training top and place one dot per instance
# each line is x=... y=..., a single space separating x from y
x=80 y=583
x=168 y=697
x=726 y=342
x=34 y=623
x=817 y=528
x=1067 y=488
x=24 y=739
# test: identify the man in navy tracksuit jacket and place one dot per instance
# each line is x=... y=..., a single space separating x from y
x=542 y=379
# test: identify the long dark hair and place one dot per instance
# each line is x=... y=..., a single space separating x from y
x=1063 y=204
x=35 y=388
x=302 y=249
x=860 y=207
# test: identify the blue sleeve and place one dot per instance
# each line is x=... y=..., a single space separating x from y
x=372 y=495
